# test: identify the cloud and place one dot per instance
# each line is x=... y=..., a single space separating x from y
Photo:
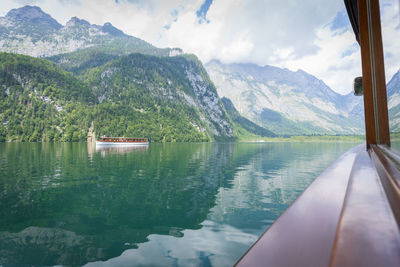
x=337 y=61
x=311 y=35
x=211 y=245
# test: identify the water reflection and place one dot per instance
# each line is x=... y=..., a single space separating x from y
x=185 y=204
x=105 y=150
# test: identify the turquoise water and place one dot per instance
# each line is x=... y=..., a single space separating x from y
x=165 y=205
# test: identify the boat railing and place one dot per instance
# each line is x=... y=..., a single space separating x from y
x=123 y=139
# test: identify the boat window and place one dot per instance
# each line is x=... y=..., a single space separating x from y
x=390 y=20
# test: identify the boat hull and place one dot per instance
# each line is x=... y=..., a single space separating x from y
x=100 y=143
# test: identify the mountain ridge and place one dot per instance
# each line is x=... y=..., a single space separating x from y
x=286 y=102
x=30 y=31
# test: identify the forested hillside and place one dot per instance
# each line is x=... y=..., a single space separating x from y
x=161 y=98
x=39 y=101
x=168 y=93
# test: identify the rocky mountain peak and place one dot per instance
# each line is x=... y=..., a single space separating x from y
x=34 y=32
x=75 y=21
x=32 y=14
x=109 y=28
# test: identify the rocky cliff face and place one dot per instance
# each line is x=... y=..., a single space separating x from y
x=287 y=102
x=178 y=82
x=30 y=31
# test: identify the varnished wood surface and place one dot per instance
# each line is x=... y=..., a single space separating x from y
x=344 y=218
x=304 y=234
x=370 y=131
x=377 y=69
x=384 y=134
x=387 y=164
x=368 y=234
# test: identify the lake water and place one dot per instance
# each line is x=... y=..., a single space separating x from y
x=165 y=205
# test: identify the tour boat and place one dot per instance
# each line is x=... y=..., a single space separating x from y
x=122 y=141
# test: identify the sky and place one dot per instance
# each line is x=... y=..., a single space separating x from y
x=314 y=36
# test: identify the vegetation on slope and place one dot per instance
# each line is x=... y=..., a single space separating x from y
x=159 y=93
x=134 y=95
x=243 y=125
x=41 y=102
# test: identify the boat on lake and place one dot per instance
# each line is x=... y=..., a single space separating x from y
x=122 y=141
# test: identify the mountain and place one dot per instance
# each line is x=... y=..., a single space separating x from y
x=30 y=31
x=162 y=98
x=243 y=125
x=178 y=86
x=151 y=79
x=393 y=93
x=27 y=21
x=287 y=102
x=103 y=81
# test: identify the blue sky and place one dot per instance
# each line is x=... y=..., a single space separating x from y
x=305 y=34
x=202 y=11
x=341 y=20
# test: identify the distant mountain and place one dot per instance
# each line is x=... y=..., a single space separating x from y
x=162 y=98
x=242 y=123
x=30 y=31
x=393 y=92
x=287 y=102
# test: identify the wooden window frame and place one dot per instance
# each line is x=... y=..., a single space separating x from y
x=373 y=72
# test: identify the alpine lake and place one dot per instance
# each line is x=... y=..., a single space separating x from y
x=182 y=204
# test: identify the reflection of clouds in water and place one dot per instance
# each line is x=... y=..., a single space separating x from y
x=147 y=200
x=260 y=190
x=212 y=245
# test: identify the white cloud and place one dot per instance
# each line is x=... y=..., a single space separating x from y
x=213 y=242
x=337 y=61
x=291 y=34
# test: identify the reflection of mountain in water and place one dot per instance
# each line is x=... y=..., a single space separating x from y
x=63 y=204
x=103 y=205
x=274 y=177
